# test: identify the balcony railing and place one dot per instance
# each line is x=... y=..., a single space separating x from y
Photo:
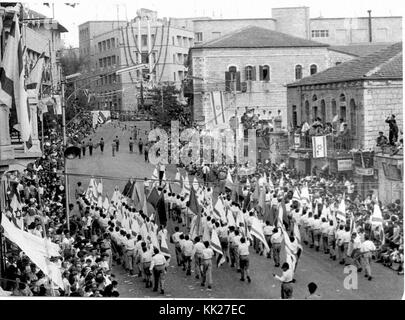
x=335 y=144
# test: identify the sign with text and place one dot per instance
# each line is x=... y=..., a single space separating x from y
x=364 y=171
x=345 y=165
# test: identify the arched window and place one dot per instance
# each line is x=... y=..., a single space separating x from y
x=334 y=109
x=264 y=73
x=323 y=111
x=298 y=72
x=353 y=117
x=342 y=102
x=250 y=73
x=313 y=69
x=314 y=97
x=306 y=110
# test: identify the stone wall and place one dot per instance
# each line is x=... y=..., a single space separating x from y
x=388 y=190
x=292 y=21
x=212 y=64
x=381 y=99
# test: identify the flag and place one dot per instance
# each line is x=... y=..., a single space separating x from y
x=100 y=187
x=230 y=218
x=12 y=91
x=127 y=188
x=335 y=118
x=134 y=196
x=153 y=197
x=35 y=76
x=257 y=231
x=376 y=217
x=106 y=203
x=216 y=246
x=177 y=178
x=296 y=195
x=46 y=4
x=193 y=205
x=292 y=250
x=217 y=103
x=164 y=248
x=196 y=185
x=100 y=201
x=219 y=210
x=319 y=146
x=58 y=104
x=161 y=211
x=341 y=211
x=135 y=226
x=305 y=196
x=229 y=181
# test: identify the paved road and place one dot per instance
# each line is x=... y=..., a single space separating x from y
x=313 y=266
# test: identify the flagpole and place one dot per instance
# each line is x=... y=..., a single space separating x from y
x=64 y=147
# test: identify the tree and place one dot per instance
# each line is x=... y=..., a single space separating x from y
x=172 y=109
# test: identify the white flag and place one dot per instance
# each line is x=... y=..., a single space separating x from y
x=319 y=146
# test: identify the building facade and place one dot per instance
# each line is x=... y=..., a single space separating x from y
x=158 y=44
x=252 y=67
x=362 y=92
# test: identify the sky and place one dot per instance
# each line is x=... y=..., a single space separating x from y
x=86 y=10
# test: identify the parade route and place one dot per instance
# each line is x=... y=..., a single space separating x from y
x=312 y=267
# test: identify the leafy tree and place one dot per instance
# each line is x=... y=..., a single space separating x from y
x=172 y=108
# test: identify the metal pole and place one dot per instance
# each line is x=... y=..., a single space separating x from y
x=64 y=158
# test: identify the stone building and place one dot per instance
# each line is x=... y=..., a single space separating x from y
x=252 y=67
x=363 y=92
x=40 y=35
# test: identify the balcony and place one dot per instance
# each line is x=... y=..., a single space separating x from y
x=337 y=146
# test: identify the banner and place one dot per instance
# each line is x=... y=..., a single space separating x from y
x=345 y=165
x=319 y=147
x=217 y=103
x=101 y=117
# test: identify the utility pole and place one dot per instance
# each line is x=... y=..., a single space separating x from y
x=64 y=147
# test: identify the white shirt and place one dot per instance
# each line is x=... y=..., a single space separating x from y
x=188 y=248
x=199 y=248
x=287 y=276
x=208 y=253
x=367 y=246
x=243 y=249
x=157 y=260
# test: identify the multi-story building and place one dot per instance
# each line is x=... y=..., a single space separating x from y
x=362 y=92
x=158 y=44
x=296 y=21
x=252 y=67
x=40 y=35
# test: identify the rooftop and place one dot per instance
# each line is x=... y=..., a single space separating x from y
x=384 y=64
x=360 y=50
x=31 y=14
x=256 y=37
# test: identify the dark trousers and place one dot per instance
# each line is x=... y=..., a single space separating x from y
x=161 y=174
x=102 y=148
x=84 y=151
x=118 y=147
x=91 y=151
x=146 y=157
x=393 y=137
x=131 y=148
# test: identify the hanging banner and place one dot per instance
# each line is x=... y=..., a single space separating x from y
x=319 y=147
x=101 y=117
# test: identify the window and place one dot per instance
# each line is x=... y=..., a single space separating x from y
x=110 y=79
x=145 y=57
x=108 y=44
x=315 y=112
x=314 y=97
x=320 y=33
x=353 y=117
x=104 y=46
x=113 y=62
x=249 y=73
x=294 y=116
x=342 y=98
x=113 y=42
x=180 y=75
x=179 y=42
x=174 y=76
x=198 y=36
x=323 y=110
x=306 y=110
x=109 y=61
x=179 y=58
x=232 y=79
x=334 y=110
x=100 y=63
x=298 y=72
x=264 y=73
x=313 y=69
x=99 y=46
x=144 y=40
x=174 y=58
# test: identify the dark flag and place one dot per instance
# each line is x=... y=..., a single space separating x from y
x=127 y=188
x=153 y=197
x=161 y=218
